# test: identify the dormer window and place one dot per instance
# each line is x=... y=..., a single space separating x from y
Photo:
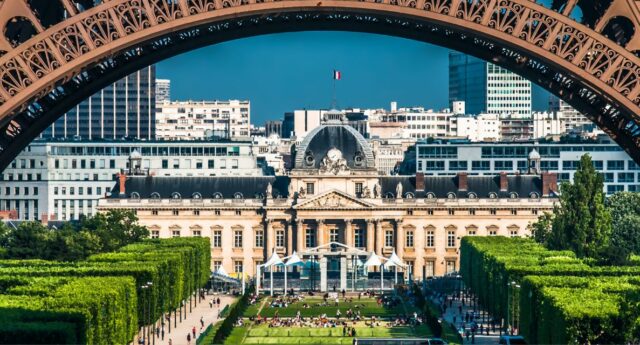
x=451 y=195
x=176 y=195
x=431 y=195
x=513 y=195
x=217 y=195
x=238 y=196
x=196 y=196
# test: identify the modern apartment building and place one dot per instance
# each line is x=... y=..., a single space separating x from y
x=124 y=109
x=420 y=123
x=64 y=179
x=199 y=120
x=572 y=118
x=163 y=90
x=487 y=88
x=447 y=158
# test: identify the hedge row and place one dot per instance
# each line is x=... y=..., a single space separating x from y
x=549 y=302
x=175 y=267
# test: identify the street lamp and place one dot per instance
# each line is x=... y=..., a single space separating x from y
x=144 y=313
x=150 y=285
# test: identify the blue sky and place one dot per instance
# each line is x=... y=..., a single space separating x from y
x=282 y=72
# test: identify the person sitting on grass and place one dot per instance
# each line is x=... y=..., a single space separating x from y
x=338 y=314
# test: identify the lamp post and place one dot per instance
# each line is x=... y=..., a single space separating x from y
x=144 y=313
x=514 y=305
x=150 y=285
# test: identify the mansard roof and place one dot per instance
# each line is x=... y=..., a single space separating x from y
x=482 y=186
x=208 y=187
x=334 y=135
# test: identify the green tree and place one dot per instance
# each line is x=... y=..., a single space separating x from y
x=115 y=229
x=582 y=223
x=625 y=220
x=28 y=241
x=541 y=230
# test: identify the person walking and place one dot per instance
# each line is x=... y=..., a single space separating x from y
x=218 y=301
x=201 y=323
x=162 y=334
x=193 y=330
x=188 y=338
x=170 y=342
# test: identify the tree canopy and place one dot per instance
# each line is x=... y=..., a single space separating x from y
x=74 y=241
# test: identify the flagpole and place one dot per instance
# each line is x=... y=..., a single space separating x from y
x=333 y=106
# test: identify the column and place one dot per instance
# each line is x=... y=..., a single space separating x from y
x=319 y=232
x=343 y=273
x=399 y=239
x=379 y=237
x=348 y=232
x=300 y=235
x=289 y=238
x=323 y=274
x=370 y=235
x=270 y=237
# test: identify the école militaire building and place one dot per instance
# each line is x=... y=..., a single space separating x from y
x=334 y=193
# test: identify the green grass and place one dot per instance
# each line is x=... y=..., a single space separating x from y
x=369 y=309
x=302 y=335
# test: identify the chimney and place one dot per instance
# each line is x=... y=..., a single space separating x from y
x=462 y=181
x=123 y=179
x=504 y=183
x=549 y=183
x=420 y=181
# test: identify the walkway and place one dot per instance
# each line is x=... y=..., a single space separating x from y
x=209 y=315
x=456 y=313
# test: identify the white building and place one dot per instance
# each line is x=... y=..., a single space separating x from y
x=620 y=172
x=196 y=120
x=572 y=118
x=483 y=127
x=420 y=123
x=163 y=90
x=64 y=179
x=548 y=124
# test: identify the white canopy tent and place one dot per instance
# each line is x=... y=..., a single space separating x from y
x=274 y=260
x=292 y=260
x=221 y=271
x=395 y=262
x=375 y=260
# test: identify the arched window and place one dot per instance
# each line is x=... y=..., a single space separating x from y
x=534 y=195
x=513 y=195
x=238 y=196
x=451 y=195
x=135 y=195
x=472 y=195
x=389 y=196
x=409 y=195
x=155 y=195
x=493 y=195
x=259 y=196
x=217 y=195
x=431 y=195
x=176 y=195
x=196 y=195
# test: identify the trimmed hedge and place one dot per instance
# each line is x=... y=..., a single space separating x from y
x=82 y=293
x=561 y=300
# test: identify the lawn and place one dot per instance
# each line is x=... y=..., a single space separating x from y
x=302 y=335
x=367 y=307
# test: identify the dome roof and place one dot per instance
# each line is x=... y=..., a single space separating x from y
x=342 y=141
x=534 y=154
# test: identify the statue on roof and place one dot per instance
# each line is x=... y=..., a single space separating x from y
x=333 y=162
x=302 y=193
x=377 y=190
x=269 y=190
x=366 y=192
x=290 y=191
x=399 y=190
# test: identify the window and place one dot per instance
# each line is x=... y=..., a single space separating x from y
x=472 y=211
x=279 y=238
x=451 y=238
x=154 y=212
x=359 y=238
x=175 y=212
x=615 y=165
x=217 y=212
x=238 y=212
x=480 y=165
x=492 y=211
x=310 y=188
x=452 y=212
x=388 y=238
x=409 y=239
x=175 y=233
x=196 y=212
x=238 y=266
x=503 y=165
x=570 y=165
x=614 y=188
x=216 y=265
x=358 y=188
x=259 y=238
x=513 y=233
x=211 y=164
x=197 y=233
x=514 y=212
x=431 y=238
x=434 y=166
x=429 y=268
x=430 y=212
x=237 y=239
x=155 y=234
x=217 y=239
x=626 y=177
x=458 y=166
x=334 y=235
x=310 y=238
x=451 y=266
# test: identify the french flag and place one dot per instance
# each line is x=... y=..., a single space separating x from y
x=337 y=75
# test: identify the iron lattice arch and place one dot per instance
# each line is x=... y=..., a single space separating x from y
x=55 y=53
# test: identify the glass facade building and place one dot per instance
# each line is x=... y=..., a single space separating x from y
x=124 y=109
